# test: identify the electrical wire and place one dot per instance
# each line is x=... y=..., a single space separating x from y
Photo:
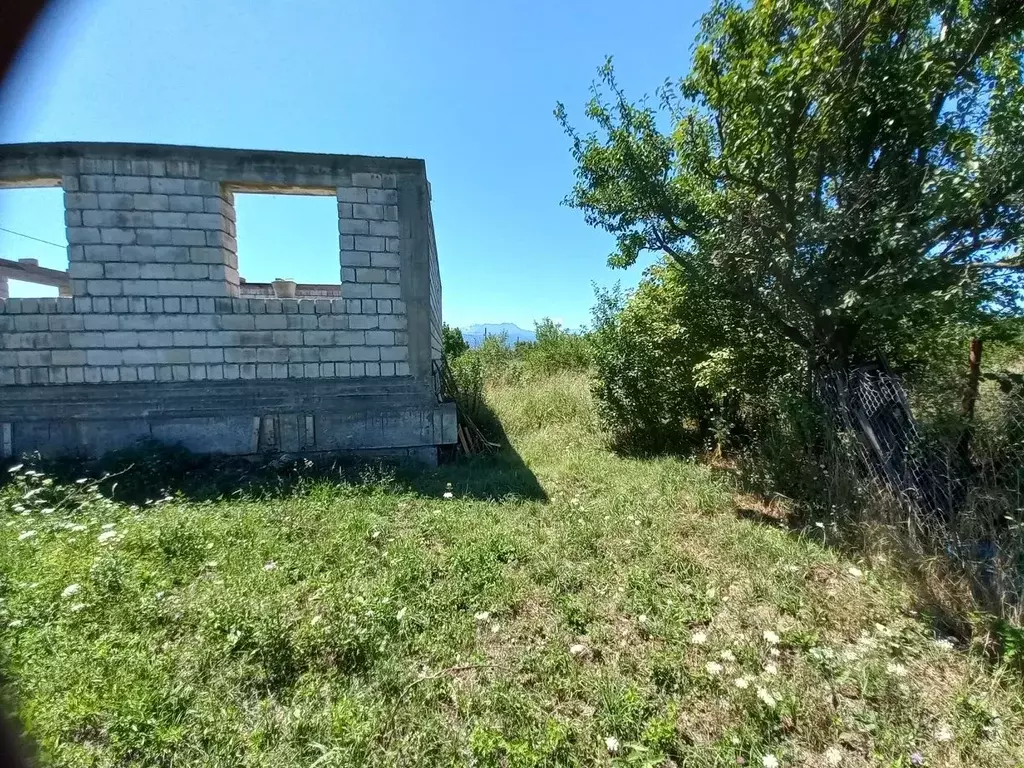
x=30 y=237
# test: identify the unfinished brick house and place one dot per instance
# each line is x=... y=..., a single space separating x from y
x=155 y=334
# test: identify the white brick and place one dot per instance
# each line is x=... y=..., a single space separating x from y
x=385 y=291
x=151 y=203
x=185 y=203
x=387 y=260
x=83 y=235
x=382 y=196
x=384 y=228
x=352 y=195
x=172 y=220
x=365 y=353
x=85 y=270
x=369 y=243
x=80 y=200
x=205 y=221
x=116 y=270
x=104 y=357
x=394 y=322
x=353 y=227
x=104 y=287
x=189 y=237
x=167 y=186
x=361 y=211
x=112 y=236
x=131 y=184
x=367 y=180
x=153 y=236
x=401 y=369
x=114 y=201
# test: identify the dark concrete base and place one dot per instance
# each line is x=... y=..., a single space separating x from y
x=386 y=417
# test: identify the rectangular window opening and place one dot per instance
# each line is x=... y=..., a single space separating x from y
x=291 y=236
x=33 y=240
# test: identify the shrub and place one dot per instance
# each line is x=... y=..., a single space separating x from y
x=452 y=342
x=555 y=350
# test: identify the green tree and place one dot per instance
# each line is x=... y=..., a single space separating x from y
x=841 y=174
x=453 y=343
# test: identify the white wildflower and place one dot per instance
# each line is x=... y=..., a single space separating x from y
x=159 y=595
x=944 y=733
x=316 y=619
x=774 y=652
x=495 y=628
x=833 y=756
x=698 y=638
x=17 y=623
x=77 y=607
x=855 y=572
x=108 y=526
x=727 y=656
x=577 y=649
x=106 y=536
x=448 y=495
x=770 y=761
x=71 y=589
x=270 y=566
x=26 y=535
x=401 y=614
x=771 y=638
x=15 y=468
x=741 y=683
x=896 y=669
x=944 y=644
x=771 y=669
x=482 y=615
x=642 y=618
x=612 y=744
x=766 y=697
x=714 y=668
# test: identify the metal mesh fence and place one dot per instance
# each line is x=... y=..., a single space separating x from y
x=957 y=463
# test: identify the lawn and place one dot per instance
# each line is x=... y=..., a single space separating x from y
x=565 y=607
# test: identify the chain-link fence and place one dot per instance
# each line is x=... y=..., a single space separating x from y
x=954 y=465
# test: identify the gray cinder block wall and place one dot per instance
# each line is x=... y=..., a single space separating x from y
x=160 y=338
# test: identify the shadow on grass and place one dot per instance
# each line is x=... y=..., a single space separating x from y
x=954 y=601
x=150 y=470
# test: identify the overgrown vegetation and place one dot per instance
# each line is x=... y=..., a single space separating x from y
x=566 y=606
x=831 y=184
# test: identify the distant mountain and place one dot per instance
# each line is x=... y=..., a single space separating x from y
x=474 y=334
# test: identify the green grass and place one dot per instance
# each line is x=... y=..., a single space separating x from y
x=336 y=623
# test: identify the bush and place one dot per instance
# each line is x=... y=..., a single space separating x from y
x=555 y=350
x=452 y=342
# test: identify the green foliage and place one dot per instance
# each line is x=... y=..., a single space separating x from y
x=453 y=343
x=554 y=350
x=847 y=176
x=334 y=623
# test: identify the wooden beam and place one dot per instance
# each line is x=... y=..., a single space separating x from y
x=31 y=273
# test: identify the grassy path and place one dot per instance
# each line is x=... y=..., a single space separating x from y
x=605 y=610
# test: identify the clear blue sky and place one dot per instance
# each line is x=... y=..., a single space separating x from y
x=468 y=86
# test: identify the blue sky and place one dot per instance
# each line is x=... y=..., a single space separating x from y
x=468 y=86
